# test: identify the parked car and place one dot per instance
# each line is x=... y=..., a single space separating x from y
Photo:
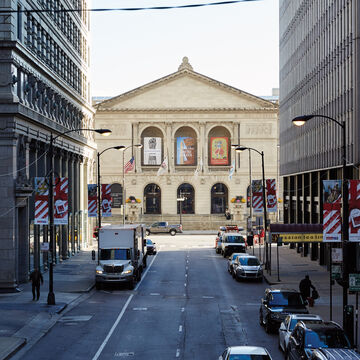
x=287 y=326
x=163 y=227
x=225 y=229
x=248 y=267
x=232 y=242
x=150 y=247
x=245 y=353
x=307 y=337
x=277 y=304
x=231 y=261
x=331 y=354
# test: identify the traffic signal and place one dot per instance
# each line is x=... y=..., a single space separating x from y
x=248 y=197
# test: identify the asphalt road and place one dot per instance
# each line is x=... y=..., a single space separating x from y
x=187 y=306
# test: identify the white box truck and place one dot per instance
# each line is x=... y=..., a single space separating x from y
x=122 y=255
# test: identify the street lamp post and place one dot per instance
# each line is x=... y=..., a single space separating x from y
x=51 y=295
x=242 y=148
x=139 y=146
x=120 y=147
x=181 y=199
x=300 y=121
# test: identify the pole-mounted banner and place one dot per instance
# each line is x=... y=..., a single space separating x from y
x=41 y=201
x=92 y=200
x=106 y=200
x=257 y=196
x=271 y=195
x=61 y=201
x=354 y=210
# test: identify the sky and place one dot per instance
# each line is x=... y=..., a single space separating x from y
x=236 y=44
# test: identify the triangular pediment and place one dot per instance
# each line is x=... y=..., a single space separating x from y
x=185 y=90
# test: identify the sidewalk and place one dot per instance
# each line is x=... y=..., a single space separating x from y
x=293 y=268
x=23 y=321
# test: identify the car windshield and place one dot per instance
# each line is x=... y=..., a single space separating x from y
x=235 y=239
x=249 y=357
x=248 y=261
x=326 y=338
x=115 y=254
x=306 y=321
x=286 y=299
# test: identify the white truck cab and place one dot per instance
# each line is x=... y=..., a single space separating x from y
x=122 y=255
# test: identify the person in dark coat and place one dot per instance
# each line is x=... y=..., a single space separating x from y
x=36 y=278
x=227 y=214
x=305 y=287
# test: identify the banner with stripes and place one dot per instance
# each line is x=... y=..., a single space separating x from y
x=331 y=210
x=92 y=200
x=106 y=200
x=61 y=201
x=41 y=201
x=354 y=210
x=271 y=195
x=257 y=196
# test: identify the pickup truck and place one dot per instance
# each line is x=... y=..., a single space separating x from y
x=163 y=227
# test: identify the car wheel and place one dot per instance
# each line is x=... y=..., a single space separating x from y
x=131 y=284
x=233 y=274
x=172 y=232
x=261 y=279
x=147 y=232
x=98 y=286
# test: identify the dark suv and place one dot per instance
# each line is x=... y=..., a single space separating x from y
x=276 y=304
x=307 y=337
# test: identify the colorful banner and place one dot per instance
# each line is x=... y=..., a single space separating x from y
x=185 y=154
x=92 y=200
x=106 y=200
x=61 y=201
x=152 y=150
x=354 y=210
x=257 y=196
x=271 y=195
x=219 y=151
x=331 y=210
x=41 y=201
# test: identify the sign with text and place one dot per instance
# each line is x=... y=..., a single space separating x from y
x=271 y=195
x=185 y=150
x=92 y=200
x=297 y=237
x=152 y=150
x=336 y=255
x=332 y=210
x=219 y=151
x=354 y=282
x=41 y=201
x=354 y=210
x=61 y=201
x=106 y=200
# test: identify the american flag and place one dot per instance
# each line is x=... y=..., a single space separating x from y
x=130 y=165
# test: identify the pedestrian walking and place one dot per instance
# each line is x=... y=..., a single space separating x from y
x=305 y=287
x=36 y=277
x=227 y=214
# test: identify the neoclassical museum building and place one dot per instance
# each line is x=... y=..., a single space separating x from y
x=187 y=122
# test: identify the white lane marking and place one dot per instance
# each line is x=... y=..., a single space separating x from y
x=185 y=275
x=180 y=328
x=184 y=284
x=154 y=294
x=140 y=309
x=186 y=267
x=177 y=352
x=207 y=297
x=182 y=309
x=102 y=346
x=75 y=318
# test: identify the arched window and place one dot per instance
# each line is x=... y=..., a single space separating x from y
x=185 y=147
x=153 y=146
x=152 y=199
x=219 y=146
x=219 y=198
x=186 y=192
x=116 y=195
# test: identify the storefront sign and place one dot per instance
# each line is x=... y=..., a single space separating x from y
x=152 y=150
x=185 y=154
x=297 y=237
x=332 y=210
x=219 y=151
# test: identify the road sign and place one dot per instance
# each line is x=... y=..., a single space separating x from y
x=336 y=255
x=335 y=272
x=44 y=246
x=354 y=282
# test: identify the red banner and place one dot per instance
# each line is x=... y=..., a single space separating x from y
x=106 y=200
x=271 y=195
x=354 y=210
x=257 y=196
x=92 y=200
x=331 y=210
x=61 y=201
x=41 y=201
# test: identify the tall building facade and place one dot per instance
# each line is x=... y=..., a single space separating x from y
x=189 y=121
x=319 y=74
x=44 y=89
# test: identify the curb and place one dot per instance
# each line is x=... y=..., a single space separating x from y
x=9 y=346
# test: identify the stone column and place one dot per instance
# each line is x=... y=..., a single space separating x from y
x=71 y=244
x=137 y=153
x=206 y=147
x=64 y=253
x=169 y=147
x=203 y=149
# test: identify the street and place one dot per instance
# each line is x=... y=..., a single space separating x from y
x=186 y=306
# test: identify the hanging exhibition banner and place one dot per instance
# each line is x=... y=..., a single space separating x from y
x=92 y=200
x=354 y=210
x=271 y=195
x=41 y=201
x=61 y=201
x=257 y=196
x=185 y=151
x=331 y=210
x=106 y=200
x=219 y=151
x=152 y=150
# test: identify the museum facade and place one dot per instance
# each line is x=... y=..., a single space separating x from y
x=186 y=123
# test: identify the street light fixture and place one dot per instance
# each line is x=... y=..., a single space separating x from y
x=104 y=132
x=139 y=146
x=119 y=147
x=299 y=121
x=243 y=148
x=181 y=199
